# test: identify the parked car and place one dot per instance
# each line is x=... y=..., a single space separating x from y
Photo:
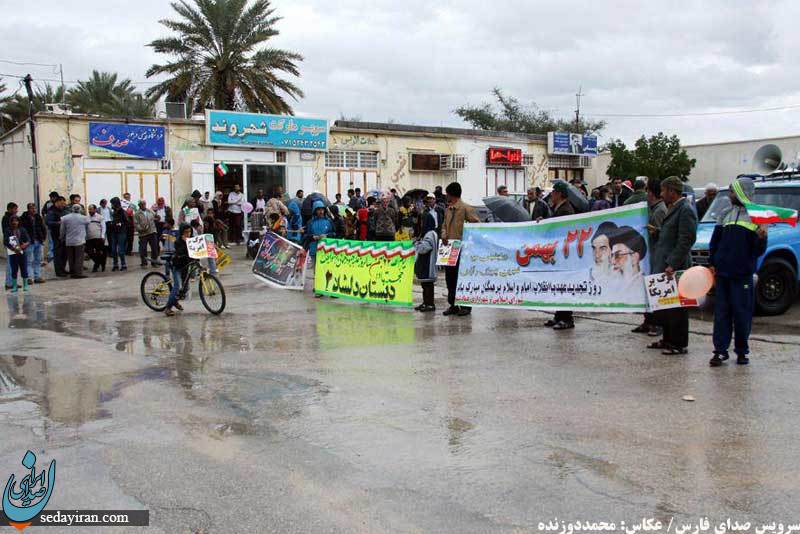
x=778 y=267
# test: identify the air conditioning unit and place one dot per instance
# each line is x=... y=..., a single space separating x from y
x=175 y=110
x=58 y=108
x=452 y=162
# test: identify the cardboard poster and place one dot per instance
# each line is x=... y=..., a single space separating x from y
x=447 y=255
x=280 y=263
x=662 y=293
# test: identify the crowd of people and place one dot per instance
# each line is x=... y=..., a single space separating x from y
x=63 y=232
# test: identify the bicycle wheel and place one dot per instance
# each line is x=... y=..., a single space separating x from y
x=155 y=289
x=211 y=293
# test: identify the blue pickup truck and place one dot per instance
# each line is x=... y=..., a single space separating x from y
x=778 y=267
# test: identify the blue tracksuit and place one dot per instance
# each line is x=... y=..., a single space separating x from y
x=734 y=251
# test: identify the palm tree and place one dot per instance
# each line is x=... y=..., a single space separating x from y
x=14 y=109
x=99 y=94
x=218 y=61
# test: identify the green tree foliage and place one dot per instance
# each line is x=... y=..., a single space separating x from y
x=101 y=94
x=14 y=109
x=511 y=116
x=217 y=57
x=656 y=157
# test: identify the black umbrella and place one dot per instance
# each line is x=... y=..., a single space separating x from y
x=576 y=198
x=416 y=193
x=505 y=209
x=307 y=209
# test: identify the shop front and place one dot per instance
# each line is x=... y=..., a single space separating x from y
x=259 y=152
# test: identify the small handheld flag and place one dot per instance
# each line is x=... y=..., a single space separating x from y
x=771 y=214
x=761 y=214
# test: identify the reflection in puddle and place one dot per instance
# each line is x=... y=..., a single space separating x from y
x=341 y=325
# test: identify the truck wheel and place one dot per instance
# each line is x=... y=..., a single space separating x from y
x=777 y=287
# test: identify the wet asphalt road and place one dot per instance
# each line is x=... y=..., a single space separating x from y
x=294 y=414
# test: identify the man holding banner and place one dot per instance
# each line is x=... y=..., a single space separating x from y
x=672 y=253
x=455 y=216
x=563 y=320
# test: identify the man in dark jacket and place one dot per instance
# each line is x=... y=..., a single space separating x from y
x=559 y=200
x=672 y=252
x=534 y=204
x=704 y=203
x=37 y=232
x=53 y=221
x=735 y=247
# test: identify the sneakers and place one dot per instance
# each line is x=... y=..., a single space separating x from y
x=452 y=310
x=169 y=312
x=741 y=359
x=463 y=311
x=717 y=359
x=563 y=325
x=178 y=306
x=643 y=328
x=550 y=323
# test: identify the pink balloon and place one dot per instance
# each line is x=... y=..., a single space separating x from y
x=695 y=282
x=247 y=207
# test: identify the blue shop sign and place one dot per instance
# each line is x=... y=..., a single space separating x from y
x=282 y=132
x=113 y=140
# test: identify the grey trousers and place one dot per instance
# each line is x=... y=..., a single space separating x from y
x=75 y=260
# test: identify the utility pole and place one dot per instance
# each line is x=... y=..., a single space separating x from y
x=578 y=96
x=63 y=89
x=27 y=81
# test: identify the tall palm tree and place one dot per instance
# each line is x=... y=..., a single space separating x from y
x=100 y=94
x=218 y=60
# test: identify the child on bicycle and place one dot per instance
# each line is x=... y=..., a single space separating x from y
x=180 y=260
x=168 y=237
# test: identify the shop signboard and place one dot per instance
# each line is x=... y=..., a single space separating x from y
x=571 y=144
x=504 y=156
x=255 y=130
x=112 y=140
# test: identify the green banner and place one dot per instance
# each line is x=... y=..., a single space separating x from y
x=372 y=271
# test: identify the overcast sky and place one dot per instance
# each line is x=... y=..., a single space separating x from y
x=415 y=61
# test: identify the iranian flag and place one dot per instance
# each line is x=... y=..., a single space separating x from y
x=222 y=169
x=760 y=214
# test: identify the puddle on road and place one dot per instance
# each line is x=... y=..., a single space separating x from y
x=341 y=325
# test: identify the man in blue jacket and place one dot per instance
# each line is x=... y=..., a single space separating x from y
x=735 y=247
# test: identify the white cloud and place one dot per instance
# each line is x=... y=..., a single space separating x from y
x=415 y=61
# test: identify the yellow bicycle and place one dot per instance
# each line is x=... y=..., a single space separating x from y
x=156 y=287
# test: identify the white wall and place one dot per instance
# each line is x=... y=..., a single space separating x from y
x=16 y=176
x=722 y=162
x=473 y=178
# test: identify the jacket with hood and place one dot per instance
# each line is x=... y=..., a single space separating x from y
x=295 y=221
x=735 y=245
x=317 y=226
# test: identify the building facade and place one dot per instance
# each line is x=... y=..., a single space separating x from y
x=171 y=158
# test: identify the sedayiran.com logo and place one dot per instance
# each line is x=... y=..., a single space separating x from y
x=24 y=500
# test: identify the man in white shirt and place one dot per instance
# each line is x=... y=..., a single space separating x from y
x=235 y=201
